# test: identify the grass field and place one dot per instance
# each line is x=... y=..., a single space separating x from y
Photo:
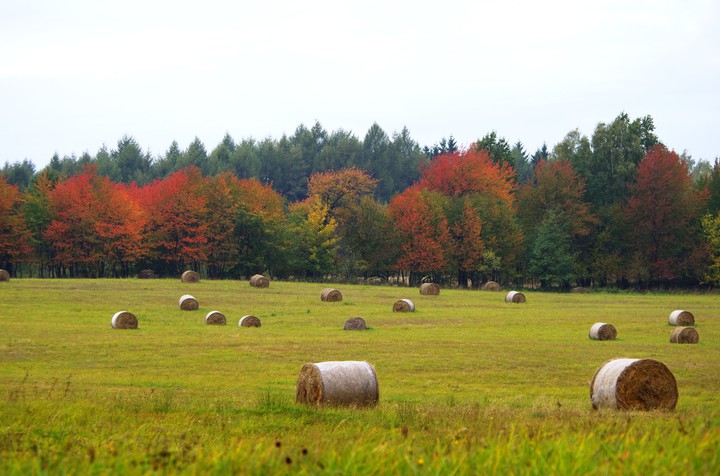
x=468 y=383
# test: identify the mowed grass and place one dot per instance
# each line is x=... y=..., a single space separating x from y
x=468 y=383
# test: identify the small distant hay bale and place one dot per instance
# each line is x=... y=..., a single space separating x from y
x=4 y=275
x=491 y=286
x=429 y=289
x=602 y=331
x=259 y=281
x=634 y=384
x=684 y=335
x=249 y=321
x=330 y=295
x=355 y=324
x=190 y=276
x=188 y=303
x=124 y=320
x=346 y=383
x=515 y=296
x=146 y=274
x=404 y=305
x=580 y=290
x=215 y=318
x=681 y=318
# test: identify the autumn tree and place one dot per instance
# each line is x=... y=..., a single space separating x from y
x=664 y=210
x=14 y=233
x=96 y=228
x=176 y=229
x=418 y=217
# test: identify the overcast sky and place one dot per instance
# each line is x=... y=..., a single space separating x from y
x=77 y=74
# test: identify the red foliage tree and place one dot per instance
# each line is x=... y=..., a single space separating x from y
x=176 y=211
x=664 y=211
x=422 y=228
x=14 y=233
x=96 y=227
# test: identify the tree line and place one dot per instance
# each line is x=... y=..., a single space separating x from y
x=614 y=209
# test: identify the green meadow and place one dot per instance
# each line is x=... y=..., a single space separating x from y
x=469 y=384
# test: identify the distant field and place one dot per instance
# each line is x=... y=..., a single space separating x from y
x=468 y=383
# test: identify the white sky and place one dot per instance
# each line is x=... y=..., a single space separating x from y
x=77 y=74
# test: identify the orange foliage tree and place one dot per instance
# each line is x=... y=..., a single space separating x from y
x=96 y=228
x=14 y=234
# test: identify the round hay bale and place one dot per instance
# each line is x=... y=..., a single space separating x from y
x=602 y=331
x=4 y=275
x=249 y=321
x=580 y=290
x=259 y=281
x=190 y=277
x=330 y=295
x=215 y=318
x=491 y=286
x=188 y=303
x=146 y=274
x=355 y=324
x=515 y=296
x=124 y=320
x=684 y=335
x=429 y=289
x=338 y=383
x=404 y=305
x=634 y=384
x=681 y=318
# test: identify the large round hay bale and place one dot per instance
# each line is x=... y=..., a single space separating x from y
x=146 y=274
x=355 y=324
x=4 y=275
x=188 y=303
x=634 y=384
x=602 y=331
x=404 y=305
x=330 y=295
x=681 y=318
x=429 y=289
x=491 y=286
x=249 y=321
x=190 y=276
x=259 y=281
x=580 y=290
x=338 y=383
x=515 y=296
x=215 y=318
x=124 y=320
x=684 y=335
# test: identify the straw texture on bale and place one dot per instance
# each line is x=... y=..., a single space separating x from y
x=146 y=274
x=355 y=324
x=249 y=321
x=491 y=286
x=259 y=281
x=681 y=318
x=634 y=384
x=348 y=383
x=603 y=331
x=124 y=320
x=684 y=335
x=580 y=290
x=4 y=275
x=515 y=296
x=188 y=303
x=404 y=305
x=429 y=289
x=190 y=277
x=330 y=295
x=215 y=318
